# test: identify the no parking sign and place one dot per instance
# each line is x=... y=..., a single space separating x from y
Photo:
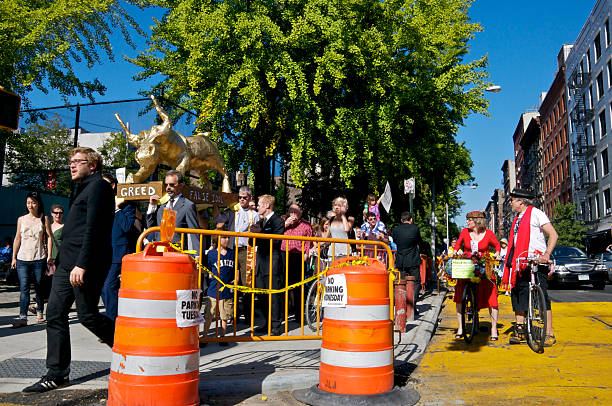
x=335 y=291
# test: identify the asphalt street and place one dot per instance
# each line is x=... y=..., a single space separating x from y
x=586 y=293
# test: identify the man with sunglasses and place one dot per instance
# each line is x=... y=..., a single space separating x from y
x=186 y=212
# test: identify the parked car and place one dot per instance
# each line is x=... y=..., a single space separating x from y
x=574 y=266
x=606 y=258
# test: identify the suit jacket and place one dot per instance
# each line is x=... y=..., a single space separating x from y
x=276 y=225
x=87 y=232
x=124 y=220
x=186 y=217
x=408 y=240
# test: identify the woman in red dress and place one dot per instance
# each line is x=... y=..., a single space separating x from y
x=476 y=237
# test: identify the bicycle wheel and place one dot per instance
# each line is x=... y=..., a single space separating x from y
x=469 y=313
x=311 y=308
x=536 y=319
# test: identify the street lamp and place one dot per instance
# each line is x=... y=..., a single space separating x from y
x=493 y=88
x=474 y=186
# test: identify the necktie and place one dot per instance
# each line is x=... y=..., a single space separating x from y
x=171 y=204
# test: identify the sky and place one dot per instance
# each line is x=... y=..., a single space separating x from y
x=521 y=38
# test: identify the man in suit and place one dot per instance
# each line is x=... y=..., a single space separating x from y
x=269 y=223
x=125 y=214
x=82 y=264
x=242 y=221
x=186 y=212
x=407 y=236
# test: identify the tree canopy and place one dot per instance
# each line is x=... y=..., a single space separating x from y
x=39 y=153
x=42 y=39
x=572 y=232
x=366 y=90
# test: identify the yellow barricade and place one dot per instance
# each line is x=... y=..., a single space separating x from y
x=375 y=249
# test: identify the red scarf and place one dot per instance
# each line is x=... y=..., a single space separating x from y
x=522 y=246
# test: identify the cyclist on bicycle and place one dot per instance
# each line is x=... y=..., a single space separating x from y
x=477 y=238
x=527 y=239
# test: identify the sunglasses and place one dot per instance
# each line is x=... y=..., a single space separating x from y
x=172 y=184
x=57 y=212
x=243 y=197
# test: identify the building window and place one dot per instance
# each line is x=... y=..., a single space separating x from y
x=597 y=46
x=602 y=124
x=597 y=206
x=588 y=55
x=606 y=198
x=595 y=169
x=600 y=86
x=607 y=31
x=604 y=162
x=610 y=73
x=591 y=104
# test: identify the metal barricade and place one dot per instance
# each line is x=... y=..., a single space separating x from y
x=379 y=249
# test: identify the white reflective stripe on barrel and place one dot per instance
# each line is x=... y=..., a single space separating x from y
x=353 y=359
x=358 y=313
x=155 y=366
x=146 y=308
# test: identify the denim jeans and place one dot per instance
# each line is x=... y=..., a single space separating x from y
x=30 y=271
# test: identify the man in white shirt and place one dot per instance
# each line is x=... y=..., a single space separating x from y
x=528 y=241
x=186 y=212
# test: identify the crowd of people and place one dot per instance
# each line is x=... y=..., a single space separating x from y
x=82 y=256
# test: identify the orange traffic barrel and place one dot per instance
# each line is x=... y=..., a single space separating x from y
x=154 y=362
x=357 y=346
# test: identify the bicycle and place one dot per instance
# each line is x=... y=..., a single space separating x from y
x=314 y=298
x=469 y=311
x=536 y=320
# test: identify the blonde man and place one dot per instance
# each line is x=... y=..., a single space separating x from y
x=269 y=223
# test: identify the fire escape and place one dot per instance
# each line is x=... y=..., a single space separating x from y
x=582 y=152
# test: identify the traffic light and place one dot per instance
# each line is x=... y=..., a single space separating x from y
x=9 y=109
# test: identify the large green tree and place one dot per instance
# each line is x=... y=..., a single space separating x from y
x=39 y=153
x=366 y=90
x=571 y=231
x=42 y=40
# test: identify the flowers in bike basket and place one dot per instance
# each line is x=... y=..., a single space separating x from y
x=483 y=264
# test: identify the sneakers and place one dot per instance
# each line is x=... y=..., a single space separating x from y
x=549 y=340
x=47 y=383
x=518 y=336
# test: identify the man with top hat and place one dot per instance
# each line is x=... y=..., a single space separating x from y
x=527 y=239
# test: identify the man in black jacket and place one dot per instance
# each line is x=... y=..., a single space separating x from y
x=83 y=262
x=270 y=223
x=407 y=236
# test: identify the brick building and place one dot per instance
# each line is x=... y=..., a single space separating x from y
x=557 y=186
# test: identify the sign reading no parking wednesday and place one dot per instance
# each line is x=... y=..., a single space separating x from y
x=335 y=291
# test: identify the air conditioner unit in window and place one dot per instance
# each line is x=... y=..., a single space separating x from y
x=609 y=211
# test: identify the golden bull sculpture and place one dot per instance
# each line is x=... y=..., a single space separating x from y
x=163 y=145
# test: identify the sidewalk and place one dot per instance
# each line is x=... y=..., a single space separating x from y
x=244 y=371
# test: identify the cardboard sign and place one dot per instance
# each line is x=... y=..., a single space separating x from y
x=335 y=291
x=139 y=191
x=188 y=308
x=209 y=197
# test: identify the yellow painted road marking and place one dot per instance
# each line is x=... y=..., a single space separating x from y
x=575 y=371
